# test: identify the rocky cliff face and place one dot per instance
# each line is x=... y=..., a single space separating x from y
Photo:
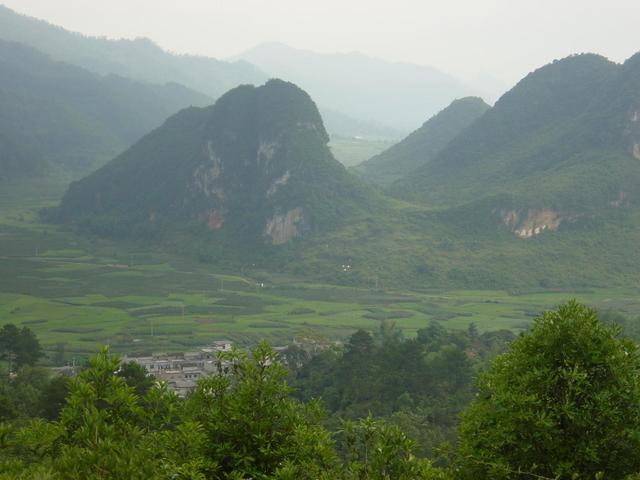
x=527 y=224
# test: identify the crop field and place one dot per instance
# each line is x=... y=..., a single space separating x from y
x=353 y=151
x=79 y=292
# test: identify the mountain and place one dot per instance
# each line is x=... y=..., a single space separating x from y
x=560 y=147
x=400 y=95
x=142 y=60
x=138 y=59
x=540 y=192
x=54 y=115
x=253 y=169
x=422 y=145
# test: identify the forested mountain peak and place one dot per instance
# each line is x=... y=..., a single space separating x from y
x=255 y=166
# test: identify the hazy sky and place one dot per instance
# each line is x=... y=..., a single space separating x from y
x=503 y=38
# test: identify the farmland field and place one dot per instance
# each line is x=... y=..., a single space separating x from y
x=77 y=292
x=353 y=151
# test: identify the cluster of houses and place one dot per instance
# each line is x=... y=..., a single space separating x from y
x=181 y=371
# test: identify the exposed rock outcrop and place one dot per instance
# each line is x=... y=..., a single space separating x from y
x=206 y=175
x=533 y=223
x=284 y=227
x=214 y=219
x=282 y=180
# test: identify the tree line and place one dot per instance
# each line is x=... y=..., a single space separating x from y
x=562 y=402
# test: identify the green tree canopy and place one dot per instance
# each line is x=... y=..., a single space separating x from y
x=563 y=403
x=19 y=345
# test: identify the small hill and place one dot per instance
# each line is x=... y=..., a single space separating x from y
x=138 y=59
x=558 y=148
x=253 y=169
x=57 y=116
x=422 y=145
x=400 y=95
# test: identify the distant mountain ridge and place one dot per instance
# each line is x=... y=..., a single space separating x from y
x=400 y=95
x=55 y=116
x=422 y=145
x=252 y=169
x=138 y=59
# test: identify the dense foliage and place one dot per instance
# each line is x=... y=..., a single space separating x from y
x=561 y=403
x=239 y=424
x=564 y=402
x=19 y=346
x=420 y=384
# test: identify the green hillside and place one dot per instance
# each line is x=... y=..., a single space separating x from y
x=56 y=116
x=253 y=169
x=554 y=141
x=422 y=145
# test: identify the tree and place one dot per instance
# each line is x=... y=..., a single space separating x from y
x=105 y=431
x=19 y=345
x=136 y=376
x=378 y=451
x=53 y=397
x=253 y=428
x=564 y=402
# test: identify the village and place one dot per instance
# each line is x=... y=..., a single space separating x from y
x=180 y=372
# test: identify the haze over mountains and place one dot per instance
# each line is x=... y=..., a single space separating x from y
x=140 y=59
x=396 y=94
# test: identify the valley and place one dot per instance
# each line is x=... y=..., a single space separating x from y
x=78 y=292
x=328 y=241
